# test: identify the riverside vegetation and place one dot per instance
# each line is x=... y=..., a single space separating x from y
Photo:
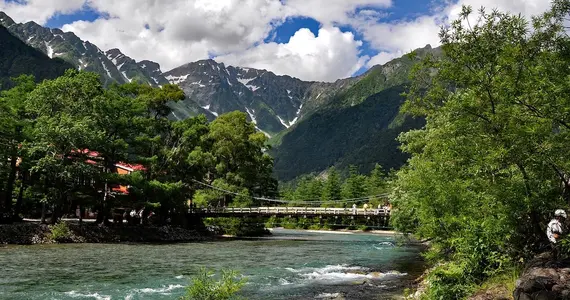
x=491 y=164
x=49 y=132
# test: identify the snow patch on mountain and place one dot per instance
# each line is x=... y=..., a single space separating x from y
x=297 y=116
x=251 y=115
x=253 y=88
x=283 y=122
x=176 y=79
x=245 y=81
x=106 y=69
x=207 y=107
x=49 y=50
x=126 y=77
x=199 y=83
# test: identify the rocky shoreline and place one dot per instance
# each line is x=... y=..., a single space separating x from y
x=36 y=233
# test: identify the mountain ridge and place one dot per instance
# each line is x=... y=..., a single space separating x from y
x=285 y=108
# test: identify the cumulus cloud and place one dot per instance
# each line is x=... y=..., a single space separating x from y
x=330 y=55
x=179 y=31
x=39 y=10
x=175 y=32
x=383 y=57
x=393 y=39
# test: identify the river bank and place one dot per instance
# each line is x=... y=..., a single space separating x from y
x=29 y=233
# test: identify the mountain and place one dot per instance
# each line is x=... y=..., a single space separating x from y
x=357 y=126
x=113 y=66
x=17 y=58
x=312 y=125
x=273 y=102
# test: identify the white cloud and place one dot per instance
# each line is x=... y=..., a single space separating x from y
x=181 y=31
x=332 y=11
x=383 y=57
x=394 y=39
x=399 y=37
x=329 y=56
x=38 y=10
x=190 y=30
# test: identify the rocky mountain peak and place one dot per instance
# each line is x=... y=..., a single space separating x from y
x=5 y=20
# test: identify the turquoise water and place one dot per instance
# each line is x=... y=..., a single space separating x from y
x=289 y=265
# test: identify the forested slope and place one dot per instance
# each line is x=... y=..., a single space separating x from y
x=17 y=58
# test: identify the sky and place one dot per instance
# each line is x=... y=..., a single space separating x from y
x=320 y=40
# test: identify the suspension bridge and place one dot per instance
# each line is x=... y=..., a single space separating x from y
x=283 y=211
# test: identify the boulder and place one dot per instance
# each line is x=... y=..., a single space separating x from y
x=544 y=279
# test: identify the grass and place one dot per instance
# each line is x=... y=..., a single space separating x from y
x=503 y=283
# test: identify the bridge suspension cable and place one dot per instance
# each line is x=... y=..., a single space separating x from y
x=284 y=201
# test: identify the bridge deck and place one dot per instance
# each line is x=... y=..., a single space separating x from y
x=300 y=211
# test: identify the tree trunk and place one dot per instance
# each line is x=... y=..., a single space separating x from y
x=18 y=207
x=43 y=213
x=55 y=214
x=81 y=209
x=10 y=183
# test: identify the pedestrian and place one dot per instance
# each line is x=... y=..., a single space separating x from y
x=555 y=230
x=365 y=206
x=354 y=209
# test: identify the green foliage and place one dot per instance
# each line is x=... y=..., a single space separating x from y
x=205 y=286
x=490 y=166
x=238 y=226
x=342 y=136
x=69 y=134
x=328 y=191
x=60 y=232
x=449 y=282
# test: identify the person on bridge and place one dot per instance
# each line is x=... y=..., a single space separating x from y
x=354 y=209
x=554 y=231
x=365 y=206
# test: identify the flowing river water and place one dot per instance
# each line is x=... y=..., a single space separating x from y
x=288 y=265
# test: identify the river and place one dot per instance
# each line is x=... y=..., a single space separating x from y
x=288 y=265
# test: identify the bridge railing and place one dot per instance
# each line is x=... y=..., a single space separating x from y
x=293 y=211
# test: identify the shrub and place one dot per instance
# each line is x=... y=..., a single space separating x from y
x=60 y=232
x=206 y=287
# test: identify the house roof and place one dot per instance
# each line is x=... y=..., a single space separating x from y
x=122 y=165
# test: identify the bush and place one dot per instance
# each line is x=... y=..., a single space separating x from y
x=448 y=282
x=206 y=287
x=238 y=226
x=60 y=232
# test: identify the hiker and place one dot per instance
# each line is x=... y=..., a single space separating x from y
x=554 y=231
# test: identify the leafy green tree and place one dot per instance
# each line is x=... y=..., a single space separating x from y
x=239 y=160
x=376 y=185
x=309 y=188
x=61 y=128
x=332 y=187
x=490 y=165
x=355 y=185
x=13 y=124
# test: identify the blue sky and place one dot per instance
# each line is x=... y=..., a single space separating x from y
x=309 y=39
